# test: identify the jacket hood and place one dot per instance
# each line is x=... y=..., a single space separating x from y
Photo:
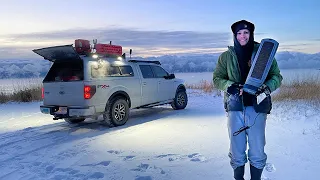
x=232 y=51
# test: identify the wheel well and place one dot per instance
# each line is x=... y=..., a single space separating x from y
x=122 y=94
x=181 y=87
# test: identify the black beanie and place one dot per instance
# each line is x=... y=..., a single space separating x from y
x=243 y=24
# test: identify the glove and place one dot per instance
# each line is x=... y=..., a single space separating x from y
x=263 y=89
x=234 y=89
x=262 y=92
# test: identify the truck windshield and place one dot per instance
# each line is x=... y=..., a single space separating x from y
x=65 y=71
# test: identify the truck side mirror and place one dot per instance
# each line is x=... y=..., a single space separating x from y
x=170 y=76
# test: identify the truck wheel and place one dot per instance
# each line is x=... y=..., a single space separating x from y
x=180 y=101
x=74 y=120
x=116 y=113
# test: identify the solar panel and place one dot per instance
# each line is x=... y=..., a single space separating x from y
x=261 y=65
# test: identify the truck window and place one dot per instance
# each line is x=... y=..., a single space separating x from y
x=159 y=72
x=146 y=71
x=65 y=71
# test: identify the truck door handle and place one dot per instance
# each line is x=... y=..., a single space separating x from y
x=144 y=83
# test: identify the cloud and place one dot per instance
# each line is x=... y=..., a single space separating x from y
x=127 y=37
x=16 y=53
x=145 y=41
x=304 y=47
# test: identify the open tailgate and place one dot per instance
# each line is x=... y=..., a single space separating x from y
x=60 y=53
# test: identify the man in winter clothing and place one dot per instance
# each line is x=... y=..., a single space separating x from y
x=246 y=118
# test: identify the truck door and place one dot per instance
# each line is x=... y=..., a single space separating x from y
x=149 y=85
x=165 y=86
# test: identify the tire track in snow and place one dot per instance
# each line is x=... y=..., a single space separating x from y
x=23 y=135
x=48 y=136
x=22 y=165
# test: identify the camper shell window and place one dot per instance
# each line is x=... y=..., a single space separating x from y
x=109 y=70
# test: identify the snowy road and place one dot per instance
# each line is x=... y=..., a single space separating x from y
x=156 y=143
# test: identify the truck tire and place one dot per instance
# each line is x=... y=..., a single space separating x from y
x=116 y=112
x=74 y=120
x=180 y=101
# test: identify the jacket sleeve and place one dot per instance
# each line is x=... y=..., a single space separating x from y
x=274 y=78
x=220 y=75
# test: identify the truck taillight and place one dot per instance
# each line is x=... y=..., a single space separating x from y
x=89 y=91
x=42 y=93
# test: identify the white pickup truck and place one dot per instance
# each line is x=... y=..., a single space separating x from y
x=89 y=85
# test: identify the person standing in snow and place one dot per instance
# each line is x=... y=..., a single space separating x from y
x=246 y=118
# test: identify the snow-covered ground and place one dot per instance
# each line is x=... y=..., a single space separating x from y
x=157 y=143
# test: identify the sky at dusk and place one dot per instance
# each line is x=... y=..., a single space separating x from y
x=153 y=28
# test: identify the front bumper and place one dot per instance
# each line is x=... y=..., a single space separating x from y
x=68 y=111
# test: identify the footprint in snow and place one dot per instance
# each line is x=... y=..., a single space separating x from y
x=146 y=167
x=195 y=157
x=165 y=155
x=66 y=154
x=114 y=152
x=102 y=163
x=270 y=168
x=143 y=178
x=141 y=167
x=171 y=157
x=65 y=173
x=128 y=158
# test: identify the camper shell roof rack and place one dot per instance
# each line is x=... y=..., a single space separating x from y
x=135 y=61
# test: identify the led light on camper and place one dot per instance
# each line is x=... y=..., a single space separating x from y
x=95 y=56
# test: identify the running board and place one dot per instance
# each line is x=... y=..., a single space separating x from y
x=155 y=104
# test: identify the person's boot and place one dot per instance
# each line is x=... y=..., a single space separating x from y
x=255 y=173
x=238 y=173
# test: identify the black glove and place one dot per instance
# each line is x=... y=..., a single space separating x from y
x=234 y=89
x=263 y=89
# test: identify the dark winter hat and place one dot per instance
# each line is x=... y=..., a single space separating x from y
x=243 y=24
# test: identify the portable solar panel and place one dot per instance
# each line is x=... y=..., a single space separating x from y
x=261 y=65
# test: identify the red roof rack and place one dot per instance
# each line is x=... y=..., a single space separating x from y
x=82 y=47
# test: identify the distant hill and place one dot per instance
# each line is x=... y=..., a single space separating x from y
x=172 y=63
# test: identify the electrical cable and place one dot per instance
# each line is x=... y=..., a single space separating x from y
x=245 y=127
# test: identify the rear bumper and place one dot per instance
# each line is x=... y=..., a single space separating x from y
x=68 y=111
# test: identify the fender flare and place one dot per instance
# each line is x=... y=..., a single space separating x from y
x=121 y=94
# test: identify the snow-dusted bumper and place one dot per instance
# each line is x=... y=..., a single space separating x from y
x=69 y=111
